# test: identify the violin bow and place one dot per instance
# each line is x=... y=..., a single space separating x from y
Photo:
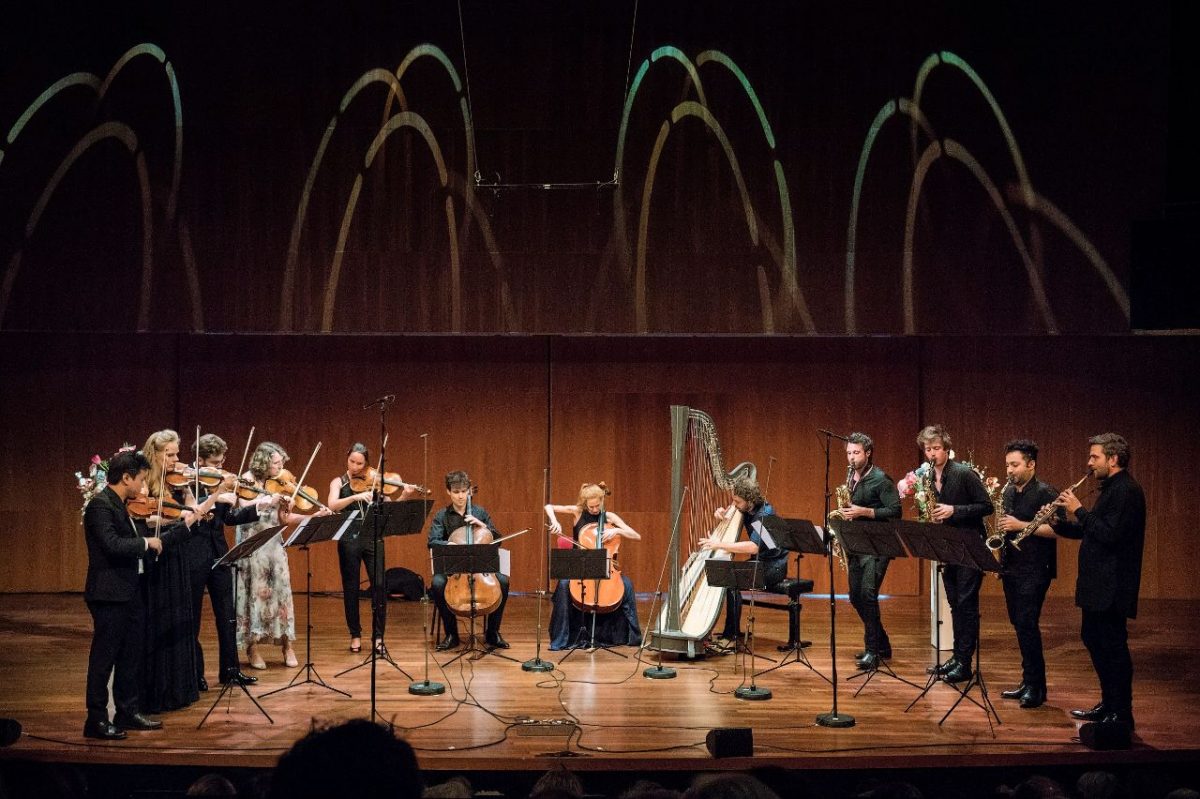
x=245 y=453
x=196 y=490
x=300 y=480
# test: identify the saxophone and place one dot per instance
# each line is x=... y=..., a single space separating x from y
x=1042 y=517
x=995 y=538
x=842 y=495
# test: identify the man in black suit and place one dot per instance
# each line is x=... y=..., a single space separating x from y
x=1028 y=567
x=204 y=548
x=962 y=502
x=1110 y=572
x=115 y=552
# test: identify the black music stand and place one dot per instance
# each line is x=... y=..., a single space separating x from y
x=878 y=539
x=469 y=559
x=740 y=576
x=959 y=547
x=384 y=520
x=801 y=536
x=229 y=560
x=584 y=565
x=313 y=530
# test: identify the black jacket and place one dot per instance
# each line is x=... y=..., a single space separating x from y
x=1110 y=557
x=114 y=549
x=963 y=489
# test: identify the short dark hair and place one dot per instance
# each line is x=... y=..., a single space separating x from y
x=210 y=444
x=457 y=479
x=317 y=764
x=130 y=462
x=863 y=440
x=1024 y=446
x=1113 y=444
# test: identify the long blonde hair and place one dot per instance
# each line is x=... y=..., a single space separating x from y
x=153 y=449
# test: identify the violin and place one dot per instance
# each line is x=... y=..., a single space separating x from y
x=602 y=595
x=472 y=594
x=305 y=500
x=187 y=475
x=142 y=506
x=389 y=485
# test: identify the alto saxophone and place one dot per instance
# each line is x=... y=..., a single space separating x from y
x=1042 y=517
x=842 y=495
x=995 y=539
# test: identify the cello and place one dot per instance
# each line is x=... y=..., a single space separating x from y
x=472 y=594
x=602 y=595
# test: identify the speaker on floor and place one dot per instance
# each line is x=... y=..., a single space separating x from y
x=730 y=742
x=10 y=731
x=1106 y=736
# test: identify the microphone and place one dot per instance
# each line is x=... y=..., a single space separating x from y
x=831 y=434
x=384 y=400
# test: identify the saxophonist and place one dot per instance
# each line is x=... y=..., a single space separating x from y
x=873 y=495
x=1028 y=568
x=962 y=502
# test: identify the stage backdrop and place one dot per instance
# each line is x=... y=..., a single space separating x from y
x=524 y=413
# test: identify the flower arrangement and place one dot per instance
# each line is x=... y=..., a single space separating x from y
x=96 y=479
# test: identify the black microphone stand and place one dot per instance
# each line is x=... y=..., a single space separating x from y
x=536 y=664
x=833 y=718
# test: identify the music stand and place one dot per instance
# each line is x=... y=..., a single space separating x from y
x=229 y=560
x=585 y=565
x=469 y=559
x=802 y=536
x=959 y=547
x=385 y=520
x=740 y=576
x=313 y=530
x=875 y=539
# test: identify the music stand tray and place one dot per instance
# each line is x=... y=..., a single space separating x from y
x=583 y=565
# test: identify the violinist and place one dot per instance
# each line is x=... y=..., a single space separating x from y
x=265 y=609
x=566 y=620
x=359 y=547
x=169 y=671
x=447 y=520
x=747 y=498
x=208 y=545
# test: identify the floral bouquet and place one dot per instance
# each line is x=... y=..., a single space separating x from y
x=97 y=477
x=919 y=483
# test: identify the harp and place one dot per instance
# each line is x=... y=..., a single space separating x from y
x=693 y=605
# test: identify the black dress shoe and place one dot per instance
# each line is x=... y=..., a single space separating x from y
x=103 y=730
x=1119 y=717
x=1095 y=714
x=495 y=639
x=449 y=642
x=960 y=673
x=862 y=654
x=235 y=675
x=1033 y=697
x=202 y=684
x=1015 y=693
x=869 y=662
x=947 y=667
x=137 y=722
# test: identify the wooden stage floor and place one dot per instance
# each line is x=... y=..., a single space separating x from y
x=620 y=720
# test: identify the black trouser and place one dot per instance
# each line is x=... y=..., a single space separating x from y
x=1024 y=598
x=962 y=592
x=1106 y=637
x=219 y=583
x=353 y=550
x=437 y=590
x=774 y=572
x=866 y=575
x=118 y=629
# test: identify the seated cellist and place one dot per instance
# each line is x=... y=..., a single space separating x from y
x=570 y=625
x=447 y=520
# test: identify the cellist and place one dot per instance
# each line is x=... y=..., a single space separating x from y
x=617 y=628
x=447 y=520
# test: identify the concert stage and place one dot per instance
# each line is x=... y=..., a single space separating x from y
x=597 y=713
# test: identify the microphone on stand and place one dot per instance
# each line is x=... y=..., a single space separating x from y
x=384 y=400
x=823 y=431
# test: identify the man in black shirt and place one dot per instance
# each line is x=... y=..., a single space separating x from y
x=1028 y=567
x=458 y=513
x=873 y=495
x=1110 y=572
x=962 y=502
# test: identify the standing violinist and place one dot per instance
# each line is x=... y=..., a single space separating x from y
x=447 y=521
x=265 y=608
x=206 y=546
x=359 y=547
x=566 y=622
